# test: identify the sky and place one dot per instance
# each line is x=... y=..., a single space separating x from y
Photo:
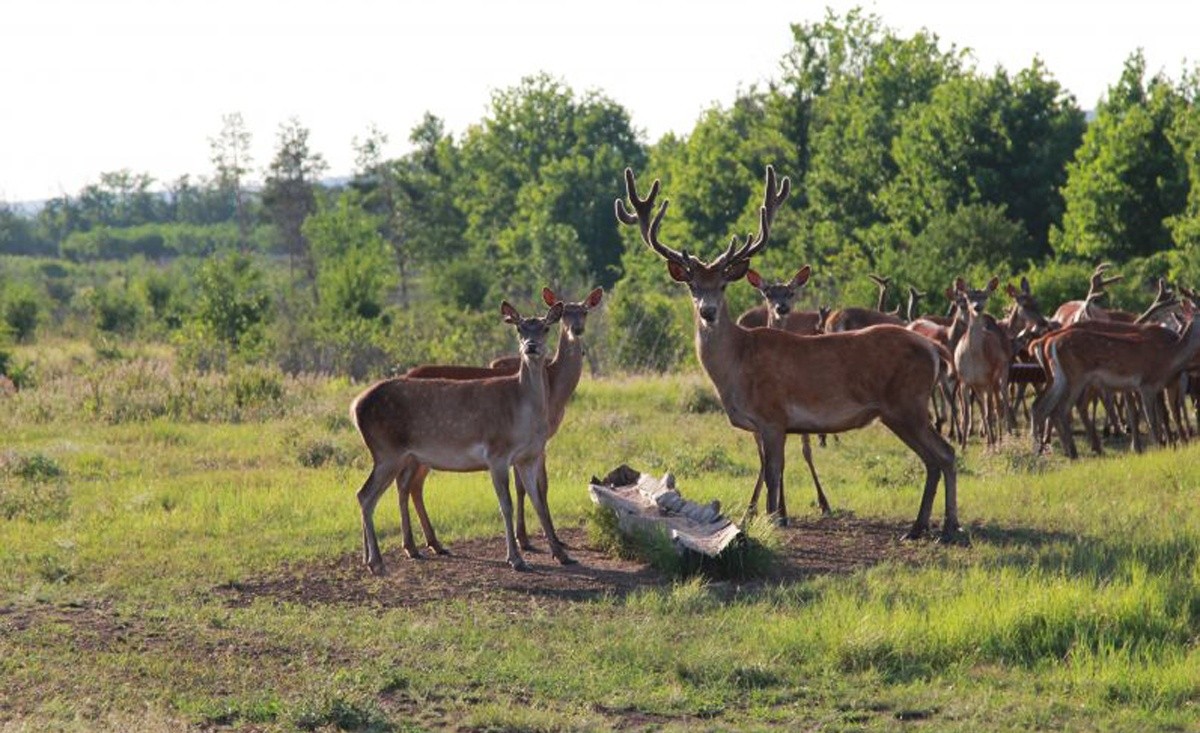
x=90 y=86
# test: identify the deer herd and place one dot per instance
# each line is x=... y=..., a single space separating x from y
x=779 y=371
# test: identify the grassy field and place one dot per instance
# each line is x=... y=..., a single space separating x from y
x=130 y=497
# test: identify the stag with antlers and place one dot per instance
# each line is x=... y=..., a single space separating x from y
x=772 y=383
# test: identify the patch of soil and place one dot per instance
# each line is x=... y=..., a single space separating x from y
x=476 y=571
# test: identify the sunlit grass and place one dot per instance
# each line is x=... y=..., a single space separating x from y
x=1082 y=584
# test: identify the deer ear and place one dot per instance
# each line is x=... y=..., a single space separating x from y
x=1025 y=285
x=754 y=279
x=555 y=313
x=549 y=296
x=509 y=313
x=802 y=276
x=993 y=283
x=736 y=271
x=959 y=284
x=949 y=294
x=594 y=297
x=1012 y=292
x=678 y=274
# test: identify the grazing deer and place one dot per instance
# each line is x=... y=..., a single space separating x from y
x=772 y=383
x=461 y=425
x=780 y=297
x=562 y=377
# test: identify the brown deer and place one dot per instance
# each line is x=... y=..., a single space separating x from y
x=562 y=376
x=780 y=297
x=1070 y=311
x=1140 y=358
x=772 y=383
x=852 y=319
x=778 y=309
x=981 y=359
x=461 y=425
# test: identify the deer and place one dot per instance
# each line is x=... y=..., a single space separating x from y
x=1132 y=357
x=772 y=383
x=780 y=297
x=981 y=359
x=1069 y=312
x=852 y=319
x=778 y=309
x=562 y=374
x=488 y=425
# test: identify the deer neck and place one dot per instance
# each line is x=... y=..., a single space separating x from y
x=563 y=373
x=1189 y=346
x=532 y=384
x=718 y=346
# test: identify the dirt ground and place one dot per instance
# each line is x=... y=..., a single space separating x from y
x=475 y=571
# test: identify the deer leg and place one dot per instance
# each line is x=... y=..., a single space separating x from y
x=773 y=444
x=417 y=492
x=533 y=473
x=938 y=457
x=406 y=487
x=382 y=474
x=1134 y=413
x=500 y=483
x=522 y=537
x=806 y=448
x=752 y=509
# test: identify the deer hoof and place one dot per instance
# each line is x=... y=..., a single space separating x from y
x=412 y=553
x=565 y=559
x=915 y=534
x=519 y=565
x=439 y=550
x=376 y=568
x=954 y=536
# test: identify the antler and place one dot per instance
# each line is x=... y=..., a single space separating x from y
x=648 y=220
x=1163 y=300
x=773 y=196
x=1098 y=282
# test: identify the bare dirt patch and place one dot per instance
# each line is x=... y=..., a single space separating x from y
x=476 y=571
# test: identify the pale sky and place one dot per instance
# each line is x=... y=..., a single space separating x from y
x=99 y=85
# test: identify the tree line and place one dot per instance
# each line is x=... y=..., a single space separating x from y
x=906 y=159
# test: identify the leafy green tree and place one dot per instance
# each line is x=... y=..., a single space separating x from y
x=1128 y=178
x=353 y=262
x=289 y=194
x=540 y=136
x=19 y=234
x=231 y=301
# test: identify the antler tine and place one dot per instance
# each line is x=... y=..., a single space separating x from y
x=774 y=194
x=880 y=280
x=647 y=219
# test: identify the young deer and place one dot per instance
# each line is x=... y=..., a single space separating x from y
x=780 y=297
x=461 y=425
x=772 y=383
x=562 y=377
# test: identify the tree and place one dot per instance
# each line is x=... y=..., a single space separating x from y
x=542 y=146
x=352 y=259
x=1127 y=178
x=289 y=192
x=230 y=151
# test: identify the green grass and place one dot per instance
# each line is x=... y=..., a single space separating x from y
x=1077 y=606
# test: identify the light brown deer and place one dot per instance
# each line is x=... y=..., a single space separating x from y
x=780 y=297
x=1140 y=358
x=562 y=375
x=981 y=359
x=461 y=425
x=772 y=383
x=1070 y=311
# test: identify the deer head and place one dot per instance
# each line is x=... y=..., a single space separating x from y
x=706 y=280
x=574 y=315
x=531 y=332
x=779 y=296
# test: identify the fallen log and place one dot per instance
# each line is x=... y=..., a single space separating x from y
x=644 y=503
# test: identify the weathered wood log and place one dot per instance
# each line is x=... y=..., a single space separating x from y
x=644 y=503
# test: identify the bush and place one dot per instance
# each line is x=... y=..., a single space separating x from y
x=647 y=332
x=22 y=311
